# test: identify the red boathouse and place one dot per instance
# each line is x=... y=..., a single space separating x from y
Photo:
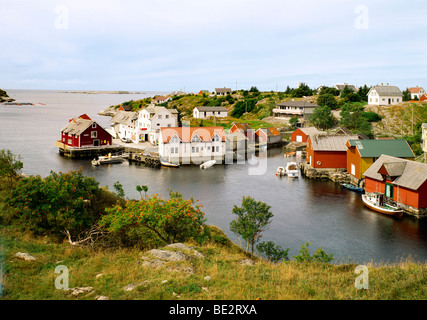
x=84 y=132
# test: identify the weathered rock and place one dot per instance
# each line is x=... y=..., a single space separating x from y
x=247 y=262
x=207 y=278
x=181 y=269
x=182 y=246
x=25 y=256
x=80 y=290
x=102 y=298
x=132 y=286
x=169 y=255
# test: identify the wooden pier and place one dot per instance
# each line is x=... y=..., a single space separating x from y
x=89 y=152
x=150 y=160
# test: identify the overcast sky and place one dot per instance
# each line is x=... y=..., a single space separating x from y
x=191 y=45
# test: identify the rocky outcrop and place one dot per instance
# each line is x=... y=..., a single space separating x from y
x=4 y=97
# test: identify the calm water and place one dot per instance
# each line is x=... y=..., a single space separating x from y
x=319 y=212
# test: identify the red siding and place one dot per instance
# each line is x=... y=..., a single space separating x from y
x=416 y=199
x=330 y=159
x=103 y=136
x=296 y=133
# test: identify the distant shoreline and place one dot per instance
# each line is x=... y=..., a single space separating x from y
x=106 y=92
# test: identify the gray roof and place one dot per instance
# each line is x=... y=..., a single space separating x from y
x=124 y=117
x=311 y=130
x=410 y=174
x=341 y=87
x=388 y=91
x=77 y=126
x=210 y=109
x=321 y=142
x=155 y=109
x=223 y=90
x=298 y=103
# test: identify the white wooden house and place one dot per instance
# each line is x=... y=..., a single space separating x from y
x=192 y=145
x=205 y=112
x=384 y=95
x=416 y=92
x=152 y=119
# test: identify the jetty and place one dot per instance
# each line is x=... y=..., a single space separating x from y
x=88 y=152
x=338 y=175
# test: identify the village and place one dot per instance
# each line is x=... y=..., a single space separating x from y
x=382 y=169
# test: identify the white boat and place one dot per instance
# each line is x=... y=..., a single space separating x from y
x=281 y=171
x=375 y=201
x=169 y=164
x=207 y=164
x=292 y=170
x=108 y=159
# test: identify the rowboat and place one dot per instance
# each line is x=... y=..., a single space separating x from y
x=375 y=201
x=292 y=170
x=289 y=154
x=352 y=187
x=207 y=164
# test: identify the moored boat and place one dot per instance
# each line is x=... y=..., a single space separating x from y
x=375 y=201
x=169 y=164
x=280 y=171
x=292 y=170
x=352 y=187
x=289 y=154
x=109 y=159
x=207 y=164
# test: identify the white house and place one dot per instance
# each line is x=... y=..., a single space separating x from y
x=161 y=99
x=222 y=91
x=384 y=95
x=416 y=92
x=205 y=112
x=124 y=124
x=290 y=109
x=151 y=119
x=192 y=145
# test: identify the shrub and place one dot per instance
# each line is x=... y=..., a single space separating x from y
x=171 y=220
x=272 y=252
x=327 y=100
x=57 y=202
x=318 y=256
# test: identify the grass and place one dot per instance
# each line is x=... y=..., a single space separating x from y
x=109 y=271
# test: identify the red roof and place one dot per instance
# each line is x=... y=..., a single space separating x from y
x=415 y=89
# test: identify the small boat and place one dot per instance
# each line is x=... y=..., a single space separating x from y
x=289 y=154
x=108 y=159
x=169 y=164
x=352 y=187
x=280 y=171
x=292 y=170
x=207 y=164
x=375 y=201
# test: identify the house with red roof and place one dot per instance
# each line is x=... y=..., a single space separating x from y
x=268 y=136
x=302 y=134
x=416 y=92
x=192 y=145
x=83 y=132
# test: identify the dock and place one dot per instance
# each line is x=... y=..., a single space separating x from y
x=88 y=152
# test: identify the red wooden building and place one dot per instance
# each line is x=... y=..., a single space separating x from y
x=328 y=151
x=83 y=132
x=302 y=134
x=403 y=181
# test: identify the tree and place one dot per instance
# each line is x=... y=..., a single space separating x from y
x=328 y=100
x=10 y=164
x=406 y=95
x=301 y=91
x=119 y=189
x=294 y=121
x=318 y=256
x=253 y=89
x=363 y=92
x=253 y=217
x=140 y=189
x=322 y=118
x=329 y=90
x=169 y=220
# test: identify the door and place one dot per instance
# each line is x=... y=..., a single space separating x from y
x=96 y=142
x=389 y=190
x=353 y=169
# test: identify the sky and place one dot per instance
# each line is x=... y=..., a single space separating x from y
x=193 y=45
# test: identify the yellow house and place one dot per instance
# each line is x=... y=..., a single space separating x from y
x=361 y=154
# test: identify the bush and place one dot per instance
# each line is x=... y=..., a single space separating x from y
x=318 y=256
x=57 y=202
x=273 y=253
x=327 y=100
x=155 y=220
x=371 y=116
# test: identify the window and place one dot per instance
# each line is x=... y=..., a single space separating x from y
x=389 y=188
x=160 y=116
x=196 y=138
x=169 y=125
x=192 y=149
x=94 y=134
x=70 y=141
x=353 y=169
x=167 y=116
x=94 y=125
x=176 y=149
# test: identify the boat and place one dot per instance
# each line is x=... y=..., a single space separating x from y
x=280 y=171
x=292 y=170
x=207 y=164
x=169 y=164
x=352 y=187
x=109 y=159
x=289 y=154
x=375 y=201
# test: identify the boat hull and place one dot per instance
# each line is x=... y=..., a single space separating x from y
x=168 y=164
x=207 y=164
x=390 y=212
